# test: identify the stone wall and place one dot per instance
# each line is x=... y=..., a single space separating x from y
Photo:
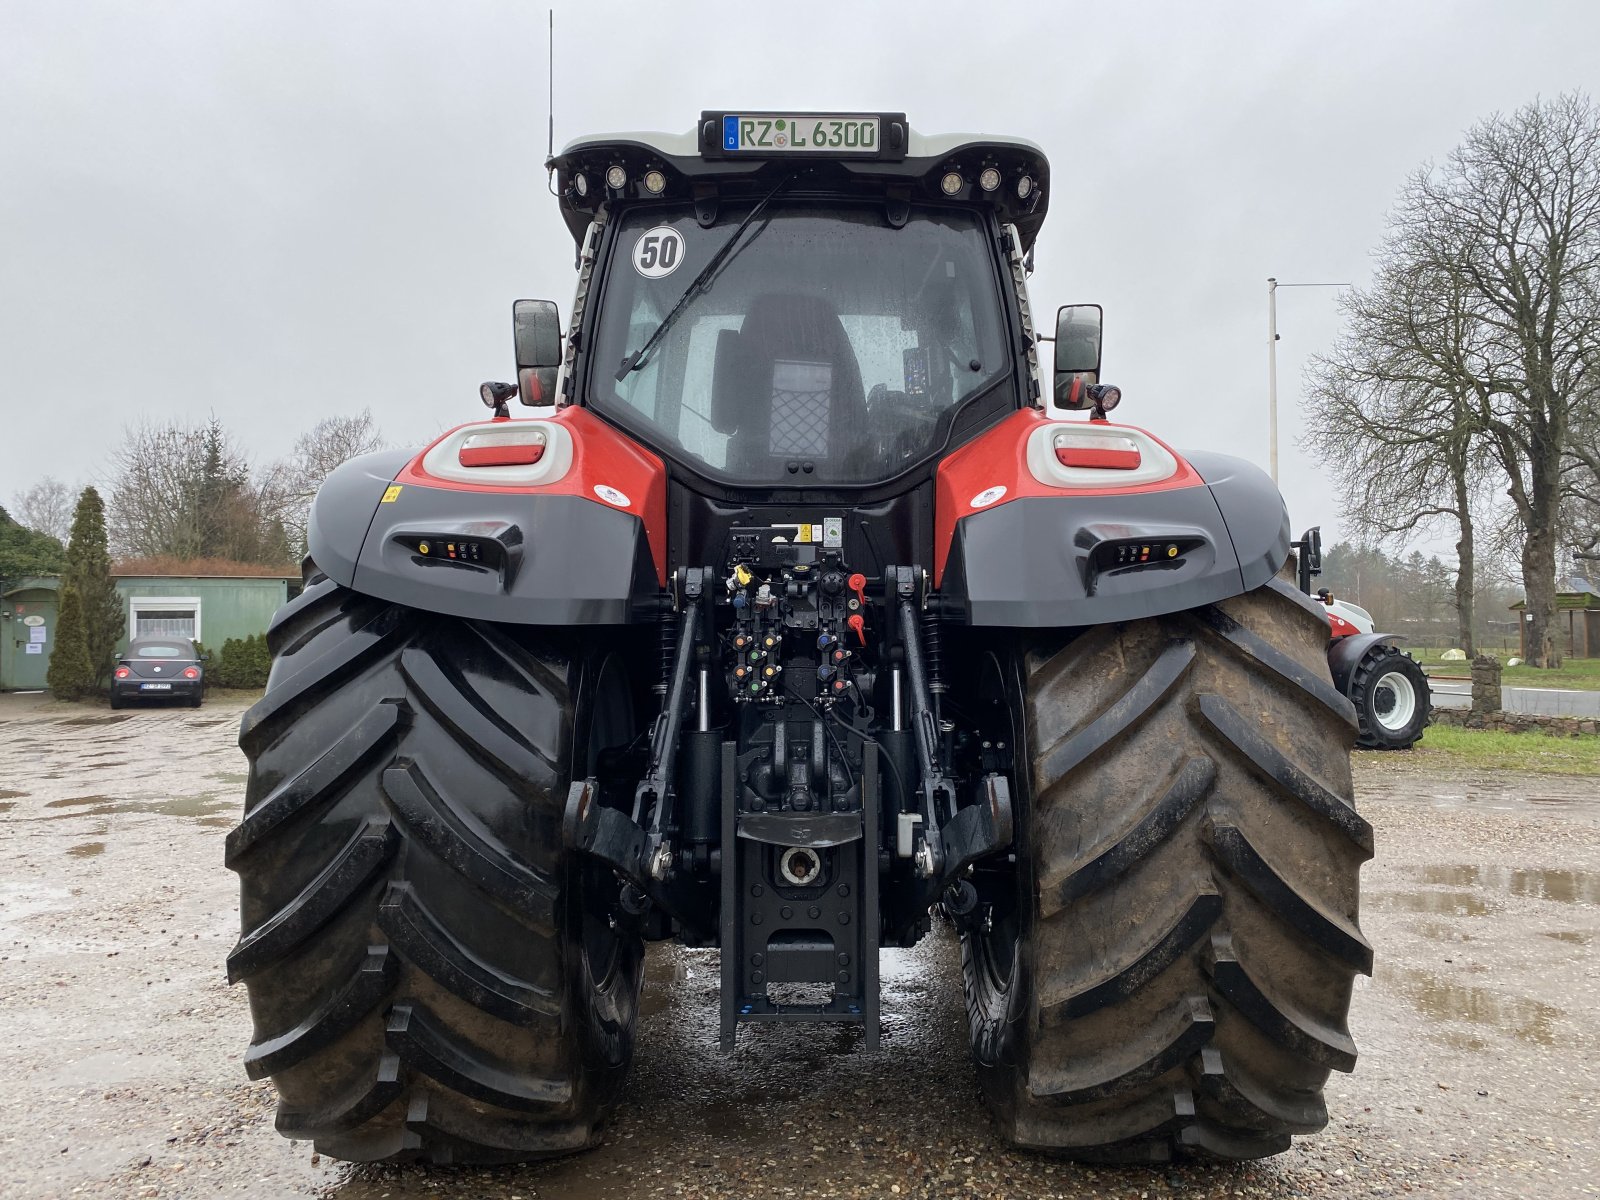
x=1485 y=712
x=1517 y=722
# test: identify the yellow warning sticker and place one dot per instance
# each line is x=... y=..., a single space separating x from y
x=390 y=494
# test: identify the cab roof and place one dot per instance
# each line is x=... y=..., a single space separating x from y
x=906 y=166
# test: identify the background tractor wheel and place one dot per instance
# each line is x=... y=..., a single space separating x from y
x=429 y=975
x=1169 y=967
x=1392 y=699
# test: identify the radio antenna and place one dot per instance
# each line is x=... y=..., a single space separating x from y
x=550 y=155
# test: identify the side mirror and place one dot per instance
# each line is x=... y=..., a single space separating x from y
x=1077 y=354
x=1309 y=547
x=536 y=329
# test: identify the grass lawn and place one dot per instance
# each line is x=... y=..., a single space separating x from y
x=1580 y=674
x=1447 y=746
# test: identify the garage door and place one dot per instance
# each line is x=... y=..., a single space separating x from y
x=164 y=622
x=164 y=616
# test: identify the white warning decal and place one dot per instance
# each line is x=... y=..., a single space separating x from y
x=988 y=496
x=611 y=496
x=658 y=252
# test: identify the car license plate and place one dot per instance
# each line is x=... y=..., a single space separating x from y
x=155 y=687
x=769 y=133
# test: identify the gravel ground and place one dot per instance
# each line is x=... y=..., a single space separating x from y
x=120 y=1045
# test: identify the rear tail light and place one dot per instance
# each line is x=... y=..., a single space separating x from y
x=191 y=672
x=1096 y=455
x=502 y=448
x=123 y=672
x=1101 y=453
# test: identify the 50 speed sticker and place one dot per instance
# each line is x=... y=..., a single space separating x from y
x=658 y=252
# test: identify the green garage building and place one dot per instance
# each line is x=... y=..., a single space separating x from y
x=208 y=608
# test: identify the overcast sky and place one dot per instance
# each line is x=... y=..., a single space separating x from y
x=276 y=211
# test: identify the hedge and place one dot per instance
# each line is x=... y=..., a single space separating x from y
x=242 y=663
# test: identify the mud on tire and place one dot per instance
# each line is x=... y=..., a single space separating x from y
x=1175 y=970
x=428 y=975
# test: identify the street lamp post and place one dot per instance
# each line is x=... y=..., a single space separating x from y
x=1272 y=364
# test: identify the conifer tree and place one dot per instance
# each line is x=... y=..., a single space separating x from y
x=88 y=573
x=70 y=675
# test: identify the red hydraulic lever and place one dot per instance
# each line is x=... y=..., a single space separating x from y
x=858 y=585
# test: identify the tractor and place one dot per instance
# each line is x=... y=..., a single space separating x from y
x=797 y=621
x=1388 y=687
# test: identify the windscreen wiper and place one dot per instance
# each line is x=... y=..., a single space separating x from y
x=700 y=283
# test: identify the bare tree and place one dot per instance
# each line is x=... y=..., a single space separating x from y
x=156 y=469
x=47 y=507
x=185 y=491
x=1514 y=217
x=1392 y=423
x=1498 y=254
x=288 y=487
x=1580 y=516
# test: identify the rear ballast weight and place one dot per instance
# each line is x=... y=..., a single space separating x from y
x=794 y=617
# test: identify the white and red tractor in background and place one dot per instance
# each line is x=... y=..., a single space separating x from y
x=1387 y=686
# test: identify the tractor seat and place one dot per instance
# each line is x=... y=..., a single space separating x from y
x=787 y=389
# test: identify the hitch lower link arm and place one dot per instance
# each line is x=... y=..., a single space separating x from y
x=642 y=853
x=952 y=837
x=655 y=794
x=928 y=858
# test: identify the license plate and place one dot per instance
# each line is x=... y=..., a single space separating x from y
x=155 y=687
x=769 y=133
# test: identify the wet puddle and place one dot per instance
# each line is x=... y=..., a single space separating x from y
x=87 y=849
x=1437 y=931
x=1564 y=886
x=7 y=805
x=1451 y=904
x=1440 y=1000
x=204 y=810
x=1572 y=936
x=10 y=794
x=79 y=801
x=106 y=720
x=1577 y=796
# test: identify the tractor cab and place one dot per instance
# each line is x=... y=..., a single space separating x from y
x=797 y=300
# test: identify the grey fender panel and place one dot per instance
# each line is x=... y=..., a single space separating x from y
x=564 y=560
x=1346 y=653
x=1029 y=563
x=343 y=510
x=1253 y=510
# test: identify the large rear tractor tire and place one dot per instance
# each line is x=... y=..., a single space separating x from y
x=1172 y=971
x=430 y=976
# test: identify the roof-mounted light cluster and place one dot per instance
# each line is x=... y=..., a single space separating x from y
x=740 y=154
x=953 y=183
x=652 y=181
